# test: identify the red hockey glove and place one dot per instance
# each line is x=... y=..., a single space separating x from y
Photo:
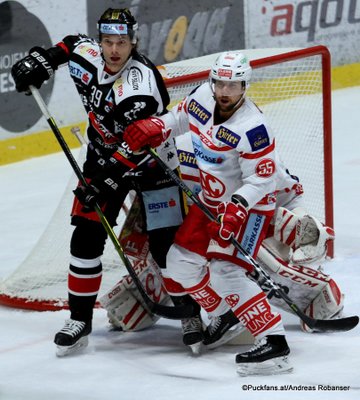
x=150 y=131
x=231 y=217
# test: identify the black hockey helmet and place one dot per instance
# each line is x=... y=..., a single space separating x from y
x=118 y=21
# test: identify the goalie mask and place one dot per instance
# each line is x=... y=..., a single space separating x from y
x=230 y=73
x=118 y=22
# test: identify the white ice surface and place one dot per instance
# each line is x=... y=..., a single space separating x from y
x=153 y=364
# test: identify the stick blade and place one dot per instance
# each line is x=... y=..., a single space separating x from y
x=335 y=325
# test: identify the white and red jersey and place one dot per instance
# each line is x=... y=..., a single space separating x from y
x=234 y=157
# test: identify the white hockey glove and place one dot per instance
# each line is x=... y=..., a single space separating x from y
x=311 y=240
x=304 y=234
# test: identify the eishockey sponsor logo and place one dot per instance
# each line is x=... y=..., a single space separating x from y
x=206 y=155
x=187 y=159
x=198 y=112
x=162 y=204
x=114 y=29
x=227 y=136
x=79 y=72
x=135 y=77
x=257 y=316
x=252 y=232
x=224 y=73
x=205 y=299
x=86 y=49
x=258 y=138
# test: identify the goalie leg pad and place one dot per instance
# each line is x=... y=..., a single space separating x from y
x=313 y=291
x=328 y=304
x=125 y=307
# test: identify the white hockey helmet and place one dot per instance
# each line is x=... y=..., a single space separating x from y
x=231 y=66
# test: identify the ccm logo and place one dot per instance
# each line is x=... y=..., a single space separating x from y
x=265 y=168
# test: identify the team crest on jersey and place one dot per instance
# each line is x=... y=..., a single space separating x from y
x=198 y=112
x=187 y=159
x=227 y=136
x=258 y=138
x=131 y=115
x=232 y=299
x=211 y=186
x=79 y=72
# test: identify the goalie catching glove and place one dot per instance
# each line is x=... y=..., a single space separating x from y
x=146 y=132
x=304 y=234
x=231 y=215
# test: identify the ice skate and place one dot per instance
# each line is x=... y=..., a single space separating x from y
x=267 y=357
x=222 y=329
x=193 y=333
x=72 y=337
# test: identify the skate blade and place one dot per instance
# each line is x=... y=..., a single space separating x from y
x=274 y=366
x=227 y=337
x=62 y=351
x=196 y=348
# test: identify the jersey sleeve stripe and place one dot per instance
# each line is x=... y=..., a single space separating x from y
x=267 y=150
x=123 y=160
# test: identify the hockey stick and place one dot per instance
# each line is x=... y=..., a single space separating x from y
x=333 y=325
x=75 y=130
x=178 y=312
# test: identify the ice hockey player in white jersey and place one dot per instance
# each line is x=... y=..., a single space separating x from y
x=295 y=245
x=236 y=156
x=292 y=230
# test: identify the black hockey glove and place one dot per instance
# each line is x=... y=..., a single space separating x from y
x=98 y=191
x=88 y=196
x=34 y=69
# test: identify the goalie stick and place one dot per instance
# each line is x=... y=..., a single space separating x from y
x=178 y=312
x=318 y=325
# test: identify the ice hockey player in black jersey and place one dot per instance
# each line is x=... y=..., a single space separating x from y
x=117 y=86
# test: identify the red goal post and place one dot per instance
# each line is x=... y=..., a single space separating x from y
x=292 y=87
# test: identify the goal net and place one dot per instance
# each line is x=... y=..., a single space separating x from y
x=293 y=89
